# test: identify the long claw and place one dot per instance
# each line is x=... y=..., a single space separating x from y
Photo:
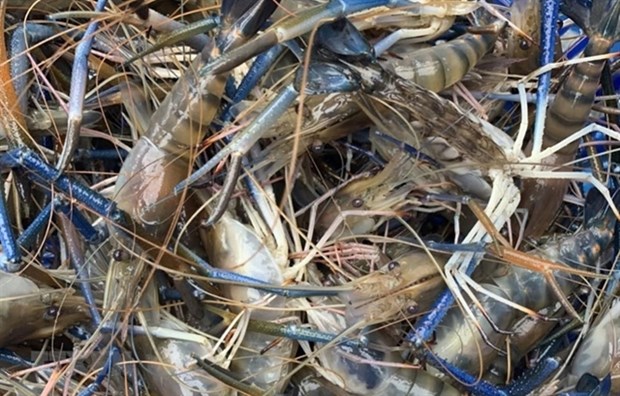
x=39 y=170
x=12 y=121
x=475 y=385
x=550 y=10
x=11 y=259
x=244 y=140
x=531 y=380
x=79 y=75
x=322 y=78
x=22 y=37
x=76 y=254
x=181 y=34
x=227 y=378
x=208 y=270
x=292 y=332
x=227 y=189
x=301 y=24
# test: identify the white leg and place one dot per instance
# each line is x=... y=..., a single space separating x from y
x=580 y=176
x=573 y=138
x=518 y=146
x=402 y=34
x=482 y=290
x=502 y=204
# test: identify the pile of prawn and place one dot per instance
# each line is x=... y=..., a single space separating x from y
x=403 y=197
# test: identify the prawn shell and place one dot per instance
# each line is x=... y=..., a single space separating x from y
x=145 y=190
x=168 y=372
x=233 y=246
x=28 y=313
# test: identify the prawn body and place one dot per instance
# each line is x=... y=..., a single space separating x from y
x=458 y=341
x=161 y=158
x=570 y=110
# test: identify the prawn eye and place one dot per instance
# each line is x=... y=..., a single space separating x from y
x=120 y=255
x=524 y=44
x=317 y=147
x=412 y=309
x=357 y=203
x=51 y=313
x=393 y=265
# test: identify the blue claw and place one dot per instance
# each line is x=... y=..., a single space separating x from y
x=428 y=323
x=12 y=257
x=550 y=12
x=113 y=357
x=246 y=139
x=473 y=384
x=39 y=171
x=24 y=35
x=30 y=234
x=78 y=261
x=534 y=378
x=90 y=233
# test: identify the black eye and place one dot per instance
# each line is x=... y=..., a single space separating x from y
x=357 y=203
x=119 y=255
x=51 y=313
x=393 y=265
x=412 y=309
x=317 y=147
x=524 y=44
